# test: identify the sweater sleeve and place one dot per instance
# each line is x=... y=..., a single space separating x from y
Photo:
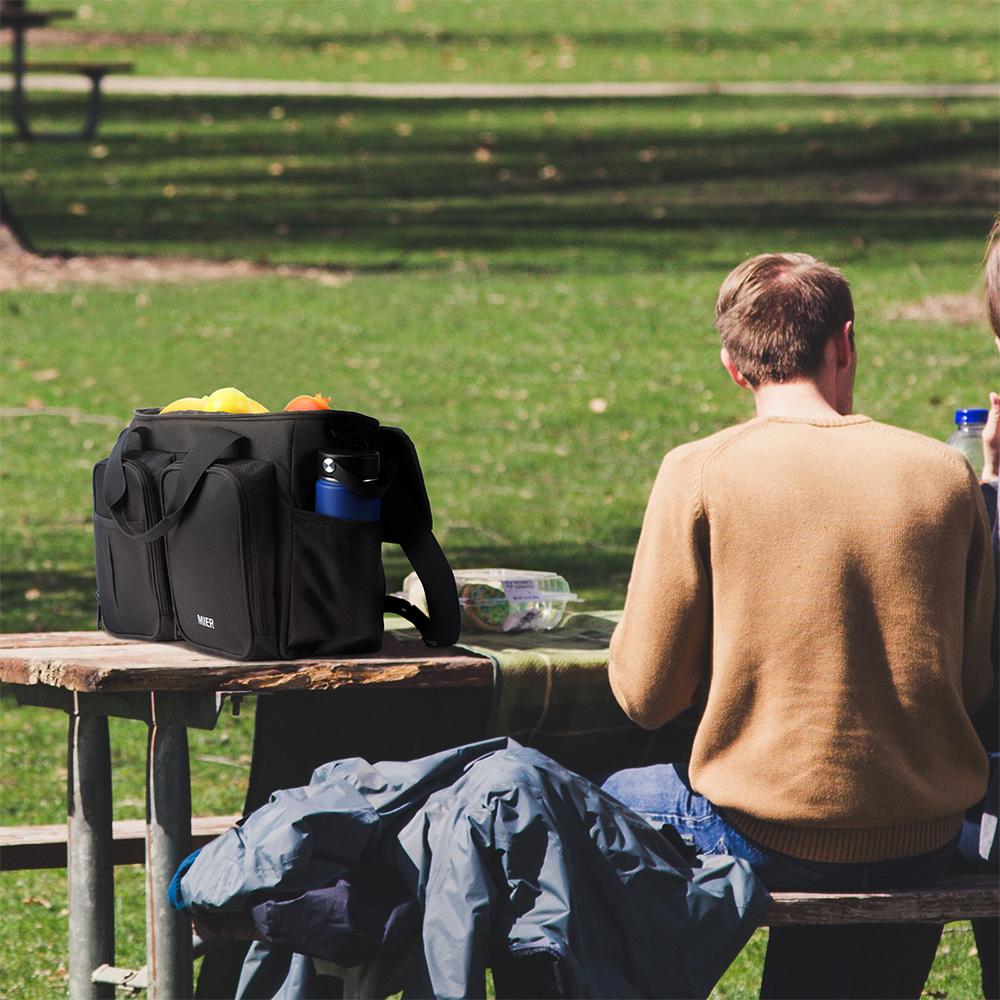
x=980 y=607
x=661 y=649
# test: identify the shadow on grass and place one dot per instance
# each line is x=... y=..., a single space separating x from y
x=764 y=39
x=378 y=184
x=631 y=39
x=47 y=601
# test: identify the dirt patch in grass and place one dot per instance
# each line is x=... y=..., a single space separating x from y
x=955 y=310
x=65 y=37
x=22 y=269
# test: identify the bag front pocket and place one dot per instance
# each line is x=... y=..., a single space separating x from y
x=133 y=594
x=336 y=586
x=221 y=559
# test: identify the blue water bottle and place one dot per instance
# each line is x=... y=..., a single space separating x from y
x=345 y=487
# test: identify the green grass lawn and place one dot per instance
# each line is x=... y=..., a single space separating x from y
x=533 y=187
x=531 y=298
x=528 y=40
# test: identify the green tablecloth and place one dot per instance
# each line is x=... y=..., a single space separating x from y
x=551 y=691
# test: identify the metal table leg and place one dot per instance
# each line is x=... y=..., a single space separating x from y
x=91 y=872
x=93 y=105
x=168 y=842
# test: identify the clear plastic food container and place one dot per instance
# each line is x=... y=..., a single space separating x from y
x=504 y=600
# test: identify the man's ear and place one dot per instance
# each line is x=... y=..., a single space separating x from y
x=843 y=339
x=734 y=373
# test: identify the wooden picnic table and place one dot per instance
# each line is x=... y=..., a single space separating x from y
x=18 y=19
x=93 y=676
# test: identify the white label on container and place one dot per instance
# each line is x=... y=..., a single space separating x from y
x=522 y=590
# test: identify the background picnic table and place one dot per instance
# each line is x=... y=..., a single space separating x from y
x=526 y=285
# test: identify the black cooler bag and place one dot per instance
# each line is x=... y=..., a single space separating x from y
x=204 y=531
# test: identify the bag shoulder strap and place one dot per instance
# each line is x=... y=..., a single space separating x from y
x=443 y=624
x=407 y=520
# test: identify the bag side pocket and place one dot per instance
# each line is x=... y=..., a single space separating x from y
x=336 y=586
x=132 y=589
x=221 y=560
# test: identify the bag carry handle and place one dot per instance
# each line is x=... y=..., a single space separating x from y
x=207 y=450
x=115 y=484
x=442 y=626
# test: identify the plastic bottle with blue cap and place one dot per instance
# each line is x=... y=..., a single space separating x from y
x=968 y=436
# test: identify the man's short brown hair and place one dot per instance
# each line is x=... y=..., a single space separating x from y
x=775 y=313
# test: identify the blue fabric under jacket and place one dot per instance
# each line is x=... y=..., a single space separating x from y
x=507 y=854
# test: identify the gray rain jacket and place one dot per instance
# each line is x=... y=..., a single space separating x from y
x=509 y=856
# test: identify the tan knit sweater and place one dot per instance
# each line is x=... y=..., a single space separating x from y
x=826 y=588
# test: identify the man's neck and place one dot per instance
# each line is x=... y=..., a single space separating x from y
x=804 y=400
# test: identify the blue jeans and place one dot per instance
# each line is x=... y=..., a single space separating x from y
x=663 y=794
x=847 y=961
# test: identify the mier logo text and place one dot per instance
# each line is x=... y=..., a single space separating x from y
x=205 y=621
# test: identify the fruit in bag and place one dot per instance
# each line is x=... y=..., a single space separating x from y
x=185 y=403
x=313 y=402
x=228 y=400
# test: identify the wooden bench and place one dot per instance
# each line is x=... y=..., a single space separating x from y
x=95 y=72
x=964 y=898
x=25 y=848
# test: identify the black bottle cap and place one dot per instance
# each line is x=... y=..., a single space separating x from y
x=361 y=464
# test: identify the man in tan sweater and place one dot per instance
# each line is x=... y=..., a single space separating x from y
x=823 y=585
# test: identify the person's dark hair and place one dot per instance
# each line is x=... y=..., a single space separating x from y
x=775 y=313
x=991 y=277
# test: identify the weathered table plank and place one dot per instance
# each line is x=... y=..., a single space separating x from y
x=95 y=662
x=32 y=640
